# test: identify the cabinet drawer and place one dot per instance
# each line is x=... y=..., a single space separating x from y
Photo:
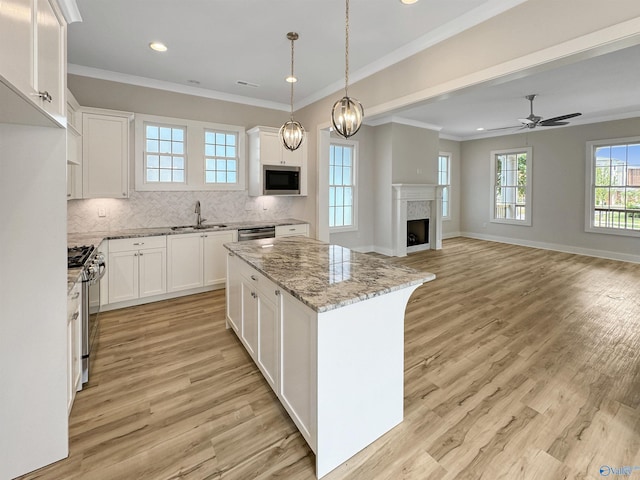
x=285 y=230
x=140 y=243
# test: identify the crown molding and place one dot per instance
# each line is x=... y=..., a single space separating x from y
x=70 y=11
x=402 y=121
x=171 y=87
x=464 y=22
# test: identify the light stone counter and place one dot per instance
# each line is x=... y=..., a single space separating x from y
x=323 y=276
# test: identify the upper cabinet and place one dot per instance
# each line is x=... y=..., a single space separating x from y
x=266 y=148
x=105 y=153
x=32 y=62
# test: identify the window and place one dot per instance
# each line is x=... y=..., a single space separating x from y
x=342 y=185
x=164 y=153
x=511 y=186
x=176 y=154
x=613 y=186
x=444 y=178
x=221 y=157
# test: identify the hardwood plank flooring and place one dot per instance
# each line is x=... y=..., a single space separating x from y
x=519 y=364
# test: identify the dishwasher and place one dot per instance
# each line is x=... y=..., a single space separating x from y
x=256 y=233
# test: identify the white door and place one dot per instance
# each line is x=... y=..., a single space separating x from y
x=184 y=262
x=123 y=276
x=270 y=149
x=214 y=257
x=268 y=352
x=249 y=318
x=234 y=294
x=152 y=271
x=50 y=36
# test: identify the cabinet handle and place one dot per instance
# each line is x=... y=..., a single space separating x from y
x=139 y=243
x=253 y=277
x=277 y=292
x=292 y=229
x=231 y=254
x=46 y=96
x=75 y=316
x=69 y=195
x=253 y=294
x=124 y=194
x=75 y=295
x=141 y=254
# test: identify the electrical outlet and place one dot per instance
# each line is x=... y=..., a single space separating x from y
x=102 y=212
x=419 y=171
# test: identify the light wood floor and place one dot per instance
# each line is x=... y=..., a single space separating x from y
x=519 y=364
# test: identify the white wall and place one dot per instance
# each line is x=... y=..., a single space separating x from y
x=558 y=203
x=33 y=291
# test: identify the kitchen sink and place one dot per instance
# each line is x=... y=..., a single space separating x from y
x=191 y=228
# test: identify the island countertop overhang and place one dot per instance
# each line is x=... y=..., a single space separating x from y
x=324 y=276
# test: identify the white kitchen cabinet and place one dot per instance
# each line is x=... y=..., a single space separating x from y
x=292 y=230
x=249 y=333
x=33 y=59
x=198 y=259
x=105 y=153
x=268 y=302
x=74 y=343
x=74 y=150
x=266 y=148
x=137 y=268
x=233 y=291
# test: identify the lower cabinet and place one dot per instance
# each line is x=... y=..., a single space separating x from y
x=197 y=259
x=137 y=268
x=74 y=343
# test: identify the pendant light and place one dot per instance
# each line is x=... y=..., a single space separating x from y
x=347 y=113
x=292 y=132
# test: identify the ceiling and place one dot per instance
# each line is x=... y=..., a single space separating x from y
x=217 y=43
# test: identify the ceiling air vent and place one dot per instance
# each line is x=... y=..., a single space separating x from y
x=246 y=84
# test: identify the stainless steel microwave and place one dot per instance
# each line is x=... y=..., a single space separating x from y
x=281 y=180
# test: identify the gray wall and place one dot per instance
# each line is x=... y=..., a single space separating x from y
x=559 y=166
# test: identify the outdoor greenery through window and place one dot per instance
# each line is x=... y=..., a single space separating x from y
x=444 y=178
x=511 y=186
x=221 y=157
x=164 y=153
x=615 y=170
x=342 y=184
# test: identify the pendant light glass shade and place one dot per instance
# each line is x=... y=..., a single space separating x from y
x=292 y=132
x=292 y=135
x=347 y=113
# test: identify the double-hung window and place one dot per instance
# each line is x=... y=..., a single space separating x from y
x=164 y=153
x=511 y=186
x=221 y=157
x=444 y=179
x=613 y=186
x=343 y=158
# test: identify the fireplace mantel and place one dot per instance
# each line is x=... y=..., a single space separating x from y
x=411 y=192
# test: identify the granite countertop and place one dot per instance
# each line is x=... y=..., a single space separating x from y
x=95 y=238
x=324 y=276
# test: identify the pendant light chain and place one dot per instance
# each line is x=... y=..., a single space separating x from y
x=292 y=133
x=346 y=51
x=292 y=77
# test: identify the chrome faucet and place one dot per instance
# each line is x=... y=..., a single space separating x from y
x=199 y=219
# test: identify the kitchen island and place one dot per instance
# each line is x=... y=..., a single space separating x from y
x=325 y=325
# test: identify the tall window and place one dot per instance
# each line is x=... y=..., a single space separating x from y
x=613 y=186
x=342 y=185
x=511 y=186
x=444 y=178
x=164 y=153
x=221 y=157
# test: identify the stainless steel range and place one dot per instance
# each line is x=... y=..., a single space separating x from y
x=93 y=267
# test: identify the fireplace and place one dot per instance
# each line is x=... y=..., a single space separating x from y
x=417 y=235
x=416 y=202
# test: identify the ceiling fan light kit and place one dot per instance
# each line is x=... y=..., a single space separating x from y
x=292 y=132
x=347 y=113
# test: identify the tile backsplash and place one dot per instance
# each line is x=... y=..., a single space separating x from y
x=160 y=209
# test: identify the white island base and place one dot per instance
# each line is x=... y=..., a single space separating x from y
x=360 y=376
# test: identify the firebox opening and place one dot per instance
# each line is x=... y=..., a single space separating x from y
x=417 y=232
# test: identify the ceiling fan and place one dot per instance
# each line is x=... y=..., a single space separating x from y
x=533 y=121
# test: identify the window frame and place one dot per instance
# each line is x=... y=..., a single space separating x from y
x=590 y=186
x=215 y=158
x=445 y=186
x=354 y=182
x=195 y=164
x=145 y=153
x=526 y=222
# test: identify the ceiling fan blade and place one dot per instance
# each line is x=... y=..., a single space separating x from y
x=552 y=121
x=503 y=128
x=552 y=124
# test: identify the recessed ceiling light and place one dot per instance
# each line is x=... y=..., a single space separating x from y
x=408 y=2
x=158 y=46
x=291 y=79
x=480 y=129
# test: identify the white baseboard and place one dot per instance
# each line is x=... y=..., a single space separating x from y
x=157 y=298
x=364 y=249
x=384 y=251
x=589 y=252
x=451 y=235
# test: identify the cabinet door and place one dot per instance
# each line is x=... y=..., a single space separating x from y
x=234 y=293
x=153 y=271
x=215 y=255
x=268 y=326
x=105 y=156
x=76 y=357
x=296 y=157
x=270 y=149
x=123 y=276
x=16 y=44
x=70 y=387
x=50 y=57
x=249 y=317
x=184 y=262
